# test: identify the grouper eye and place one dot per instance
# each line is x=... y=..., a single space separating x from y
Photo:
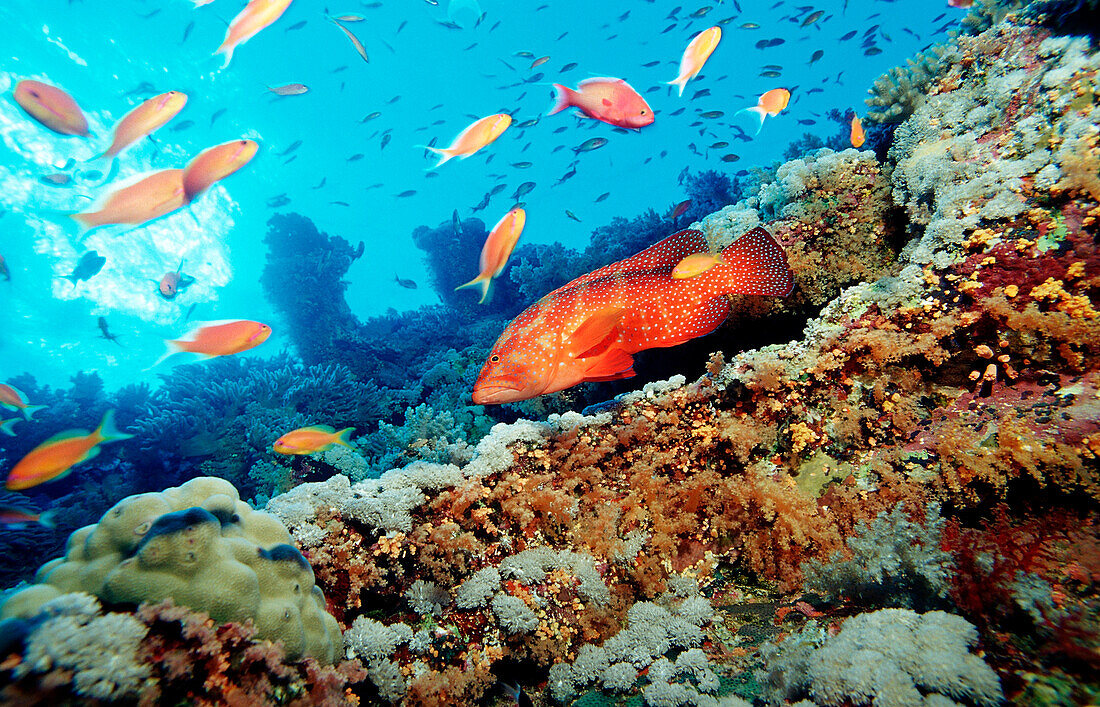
x=494 y=358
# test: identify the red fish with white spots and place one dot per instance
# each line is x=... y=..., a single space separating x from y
x=610 y=100
x=589 y=329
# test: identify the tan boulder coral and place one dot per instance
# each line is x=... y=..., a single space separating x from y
x=199 y=545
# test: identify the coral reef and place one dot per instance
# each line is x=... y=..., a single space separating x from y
x=200 y=546
x=950 y=361
x=163 y=654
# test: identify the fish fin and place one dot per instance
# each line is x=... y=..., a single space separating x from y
x=663 y=254
x=447 y=154
x=597 y=333
x=107 y=431
x=612 y=365
x=174 y=347
x=31 y=409
x=678 y=82
x=84 y=222
x=67 y=434
x=601 y=79
x=48 y=519
x=755 y=264
x=760 y=113
x=343 y=437
x=329 y=429
x=563 y=98
x=7 y=425
x=481 y=281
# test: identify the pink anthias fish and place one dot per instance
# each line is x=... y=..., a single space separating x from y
x=610 y=100
x=476 y=136
x=497 y=249
x=257 y=15
x=589 y=329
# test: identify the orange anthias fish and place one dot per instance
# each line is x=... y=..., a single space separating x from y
x=144 y=120
x=220 y=338
x=858 y=138
x=695 y=55
x=216 y=163
x=12 y=399
x=51 y=107
x=307 y=440
x=473 y=138
x=771 y=103
x=588 y=329
x=695 y=264
x=57 y=455
x=498 y=247
x=15 y=517
x=136 y=201
x=257 y=15
x=610 y=100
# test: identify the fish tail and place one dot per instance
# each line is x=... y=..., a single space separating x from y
x=760 y=113
x=755 y=264
x=173 y=348
x=48 y=519
x=481 y=281
x=29 y=410
x=107 y=432
x=343 y=437
x=7 y=425
x=562 y=99
x=446 y=152
x=680 y=82
x=86 y=222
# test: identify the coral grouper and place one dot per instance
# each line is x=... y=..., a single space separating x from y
x=588 y=329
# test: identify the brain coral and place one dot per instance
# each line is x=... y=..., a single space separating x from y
x=203 y=548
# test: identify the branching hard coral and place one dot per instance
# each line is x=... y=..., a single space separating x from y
x=898 y=92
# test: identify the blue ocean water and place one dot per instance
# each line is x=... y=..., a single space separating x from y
x=433 y=68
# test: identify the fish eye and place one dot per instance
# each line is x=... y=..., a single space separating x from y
x=494 y=358
x=643 y=111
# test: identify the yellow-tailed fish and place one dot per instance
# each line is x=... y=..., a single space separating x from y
x=317 y=438
x=56 y=456
x=695 y=55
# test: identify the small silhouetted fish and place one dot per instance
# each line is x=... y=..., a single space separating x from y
x=770 y=74
x=523 y=190
x=339 y=203
x=353 y=39
x=356 y=157
x=806 y=121
x=385 y=141
x=350 y=18
x=522 y=165
x=296 y=25
x=710 y=114
x=456 y=223
x=603 y=196
x=529 y=123
x=293 y=146
x=277 y=201
x=217 y=114
x=182 y=125
x=750 y=25
x=815 y=56
x=572 y=215
x=407 y=284
x=590 y=144
x=105 y=333
x=678 y=111
x=87 y=267
x=290 y=89
x=58 y=179
x=761 y=44
x=405 y=194
x=150 y=14
x=393 y=100
x=187 y=31
x=650 y=64
x=497 y=188
x=730 y=157
x=323 y=180
x=812 y=18
x=718 y=145
x=702 y=11
x=847 y=35
x=872 y=51
x=371 y=116
x=569 y=67
x=700 y=93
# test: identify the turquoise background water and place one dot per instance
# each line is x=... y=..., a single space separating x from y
x=428 y=81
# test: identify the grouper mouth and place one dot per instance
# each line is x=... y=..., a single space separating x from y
x=495 y=395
